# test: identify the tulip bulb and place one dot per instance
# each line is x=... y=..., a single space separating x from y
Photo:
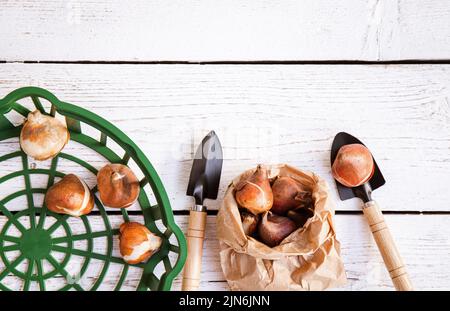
x=273 y=229
x=353 y=165
x=70 y=196
x=255 y=193
x=249 y=222
x=117 y=186
x=289 y=194
x=300 y=217
x=42 y=137
x=137 y=243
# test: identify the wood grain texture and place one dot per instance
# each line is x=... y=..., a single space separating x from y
x=422 y=240
x=264 y=114
x=195 y=235
x=387 y=247
x=205 y=30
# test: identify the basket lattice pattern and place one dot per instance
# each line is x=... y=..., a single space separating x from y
x=35 y=242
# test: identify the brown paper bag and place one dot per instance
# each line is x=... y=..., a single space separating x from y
x=308 y=259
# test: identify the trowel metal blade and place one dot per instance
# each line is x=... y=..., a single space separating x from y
x=206 y=169
x=375 y=182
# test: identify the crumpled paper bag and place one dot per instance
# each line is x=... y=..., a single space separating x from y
x=308 y=259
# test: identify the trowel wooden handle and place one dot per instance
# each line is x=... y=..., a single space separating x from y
x=195 y=236
x=386 y=246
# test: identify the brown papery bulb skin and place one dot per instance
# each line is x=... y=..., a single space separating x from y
x=273 y=229
x=70 y=196
x=137 y=243
x=249 y=222
x=117 y=185
x=255 y=193
x=288 y=194
x=299 y=218
x=42 y=137
x=353 y=165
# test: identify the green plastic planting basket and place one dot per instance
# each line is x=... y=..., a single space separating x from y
x=34 y=242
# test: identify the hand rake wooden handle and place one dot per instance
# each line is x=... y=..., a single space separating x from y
x=386 y=246
x=195 y=236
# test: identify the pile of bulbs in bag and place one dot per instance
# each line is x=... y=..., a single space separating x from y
x=276 y=232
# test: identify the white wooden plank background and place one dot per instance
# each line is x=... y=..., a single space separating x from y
x=268 y=114
x=204 y=30
x=423 y=241
x=401 y=112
